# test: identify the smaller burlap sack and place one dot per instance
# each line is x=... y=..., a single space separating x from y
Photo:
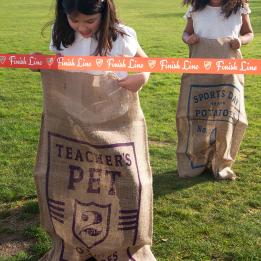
x=211 y=118
x=92 y=172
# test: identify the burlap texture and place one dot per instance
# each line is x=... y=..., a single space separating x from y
x=92 y=171
x=211 y=118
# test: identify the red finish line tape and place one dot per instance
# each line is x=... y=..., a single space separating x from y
x=132 y=64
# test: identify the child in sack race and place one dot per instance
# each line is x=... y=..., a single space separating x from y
x=97 y=31
x=92 y=172
x=211 y=117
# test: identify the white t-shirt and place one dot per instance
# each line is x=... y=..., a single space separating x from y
x=125 y=45
x=210 y=23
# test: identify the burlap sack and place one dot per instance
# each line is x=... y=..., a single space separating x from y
x=92 y=172
x=211 y=118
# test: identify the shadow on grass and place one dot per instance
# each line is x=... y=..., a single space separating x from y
x=15 y=220
x=169 y=182
x=19 y=232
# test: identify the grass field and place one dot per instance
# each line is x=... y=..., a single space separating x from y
x=194 y=219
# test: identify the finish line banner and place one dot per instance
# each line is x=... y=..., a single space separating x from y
x=132 y=64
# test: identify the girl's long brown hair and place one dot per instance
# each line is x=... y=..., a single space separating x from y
x=107 y=33
x=227 y=6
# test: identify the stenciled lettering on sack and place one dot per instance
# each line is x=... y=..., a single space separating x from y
x=215 y=102
x=83 y=184
x=112 y=257
x=101 y=166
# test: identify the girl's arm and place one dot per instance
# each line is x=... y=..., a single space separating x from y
x=134 y=82
x=189 y=37
x=246 y=33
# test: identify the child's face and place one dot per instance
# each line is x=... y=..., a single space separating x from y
x=215 y=2
x=86 y=25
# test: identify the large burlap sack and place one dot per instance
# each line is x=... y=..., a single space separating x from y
x=211 y=118
x=92 y=172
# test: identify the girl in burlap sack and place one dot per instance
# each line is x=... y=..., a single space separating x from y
x=91 y=27
x=92 y=172
x=211 y=115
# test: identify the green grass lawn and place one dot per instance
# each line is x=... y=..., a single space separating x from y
x=194 y=219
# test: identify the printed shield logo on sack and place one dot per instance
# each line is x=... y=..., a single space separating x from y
x=81 y=206
x=91 y=222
